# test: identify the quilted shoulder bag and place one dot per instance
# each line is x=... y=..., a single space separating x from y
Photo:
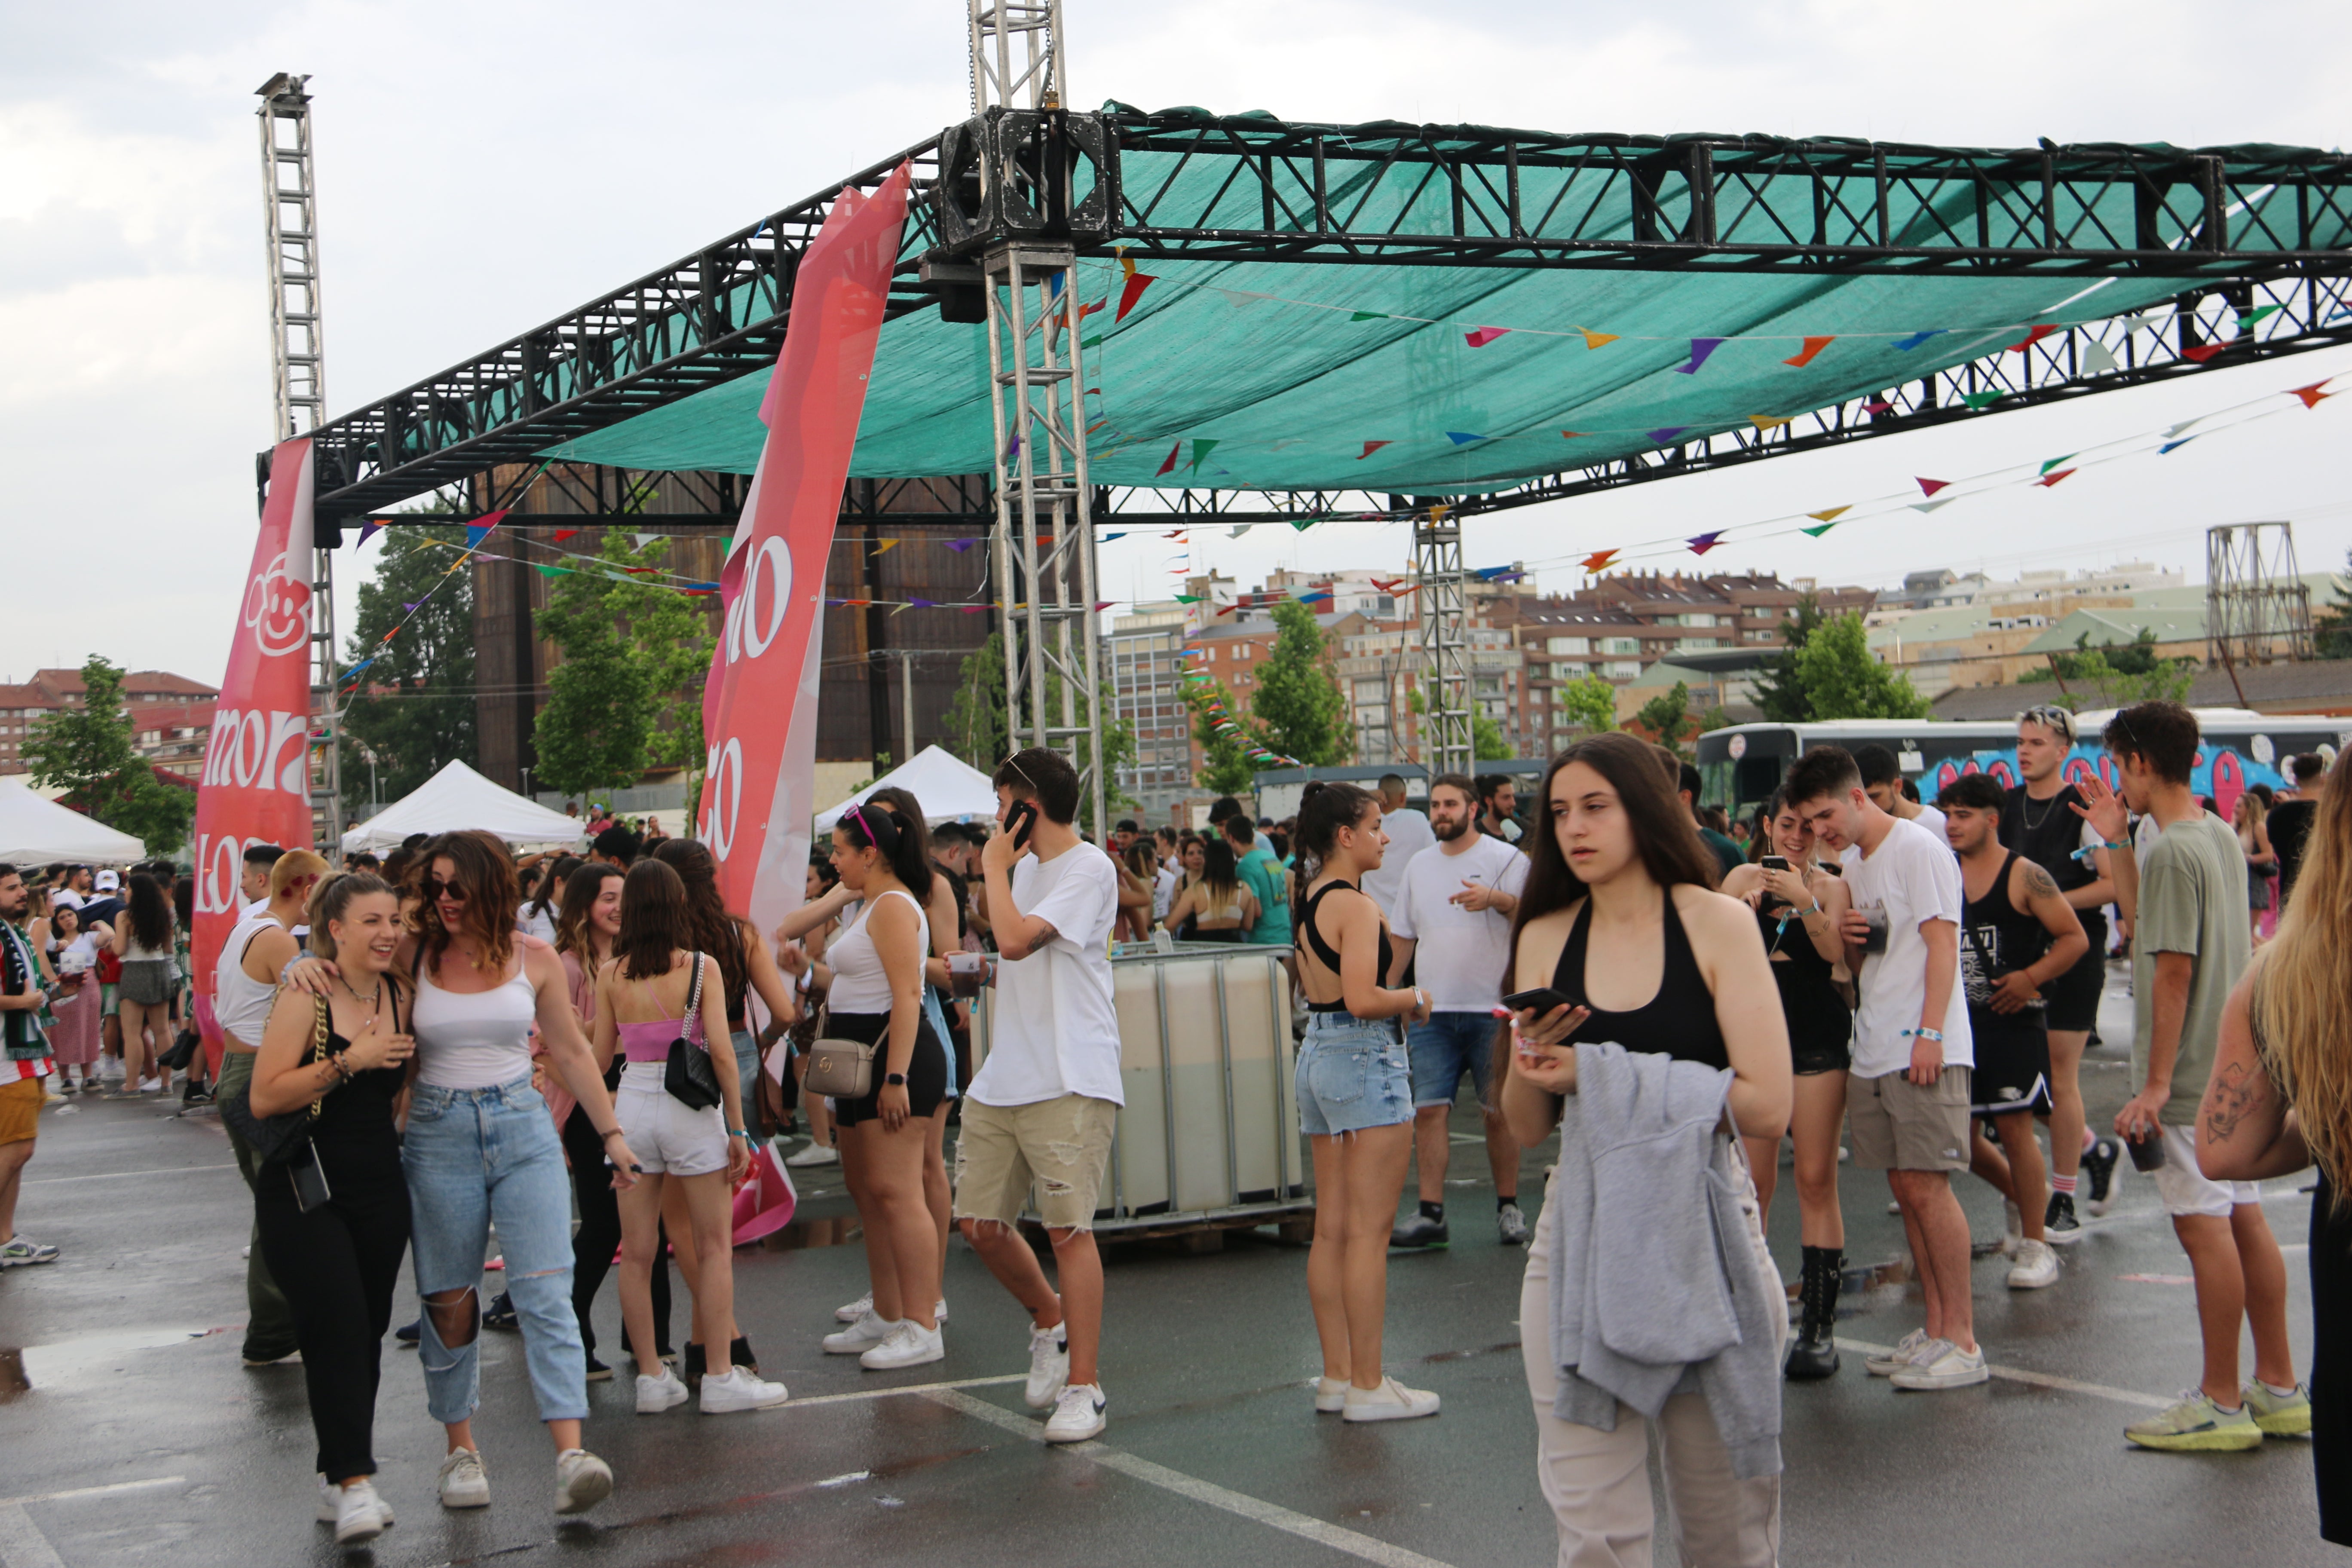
x=688 y=1074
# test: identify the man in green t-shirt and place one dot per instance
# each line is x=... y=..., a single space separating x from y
x=1264 y=877
x=2186 y=898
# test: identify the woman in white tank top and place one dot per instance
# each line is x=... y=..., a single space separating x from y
x=481 y=1147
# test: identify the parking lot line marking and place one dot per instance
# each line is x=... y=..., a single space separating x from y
x=95 y=1492
x=22 y=1544
x=120 y=1175
x=2040 y=1380
x=1241 y=1506
x=866 y=1394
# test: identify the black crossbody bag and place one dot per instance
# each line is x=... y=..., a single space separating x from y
x=688 y=1075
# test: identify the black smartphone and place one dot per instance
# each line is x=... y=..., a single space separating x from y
x=1543 y=1000
x=1019 y=821
x=311 y=1189
x=1774 y=862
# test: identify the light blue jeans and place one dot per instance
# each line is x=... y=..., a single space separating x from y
x=471 y=1156
x=1352 y=1075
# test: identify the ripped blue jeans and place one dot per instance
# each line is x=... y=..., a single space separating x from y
x=472 y=1156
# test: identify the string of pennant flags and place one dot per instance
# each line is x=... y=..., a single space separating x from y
x=1204 y=690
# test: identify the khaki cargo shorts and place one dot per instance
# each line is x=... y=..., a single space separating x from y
x=1896 y=1125
x=1062 y=1145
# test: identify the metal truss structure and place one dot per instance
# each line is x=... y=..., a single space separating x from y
x=2257 y=607
x=1444 y=612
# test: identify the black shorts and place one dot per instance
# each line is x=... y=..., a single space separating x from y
x=2012 y=1066
x=1821 y=1049
x=2071 y=1001
x=926 y=1070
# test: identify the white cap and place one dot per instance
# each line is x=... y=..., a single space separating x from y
x=108 y=882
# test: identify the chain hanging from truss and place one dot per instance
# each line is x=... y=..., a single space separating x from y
x=298 y=389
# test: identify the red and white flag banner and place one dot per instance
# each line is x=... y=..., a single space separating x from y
x=256 y=786
x=758 y=706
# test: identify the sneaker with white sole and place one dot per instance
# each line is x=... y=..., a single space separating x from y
x=463 y=1482
x=1391 y=1401
x=582 y=1481
x=815 y=1155
x=2105 y=1170
x=1511 y=1223
x=909 y=1344
x=663 y=1392
x=1886 y=1363
x=2059 y=1225
x=2197 y=1425
x=1942 y=1365
x=22 y=1251
x=939 y=1311
x=355 y=1511
x=855 y=1309
x=740 y=1389
x=1331 y=1395
x=860 y=1337
x=1077 y=1414
x=2285 y=1414
x=1049 y=1366
x=2034 y=1267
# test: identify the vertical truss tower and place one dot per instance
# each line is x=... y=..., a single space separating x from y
x=1444 y=610
x=298 y=387
x=1043 y=548
x=2257 y=609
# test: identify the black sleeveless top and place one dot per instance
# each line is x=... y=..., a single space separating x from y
x=1312 y=937
x=1995 y=938
x=1679 y=1021
x=2048 y=834
x=353 y=1132
x=1816 y=1014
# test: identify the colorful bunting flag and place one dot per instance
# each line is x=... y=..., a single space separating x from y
x=2174 y=446
x=1700 y=349
x=643 y=539
x=563 y=534
x=1369 y=316
x=1905 y=346
x=2198 y=353
x=1706 y=541
x=961 y=545
x=1666 y=433
x=2046 y=480
x=1879 y=405
x=1132 y=290
x=2173 y=430
x=1239 y=529
x=1200 y=449
x=477 y=532
x=1462 y=437
x=1767 y=422
x=2097 y=359
x=1483 y=336
x=885 y=547
x=1812 y=347
x=1830 y=514
x=1106 y=538
x=1598 y=559
x=553 y=571
x=411 y=608
x=1980 y=399
x=1929 y=487
x=2312 y=396
x=1173 y=453
x=367 y=530
x=2032 y=336
x=2247 y=318
x=1817 y=532
x=2056 y=461
x=1372 y=447
x=915 y=604
x=1238 y=298
x=1594 y=340
x=1932 y=505
x=1571 y=434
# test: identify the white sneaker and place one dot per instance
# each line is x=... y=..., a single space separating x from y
x=1049 y=1366
x=151 y=1085
x=740 y=1389
x=909 y=1344
x=2013 y=1230
x=1893 y=1361
x=355 y=1511
x=815 y=1155
x=464 y=1483
x=2036 y=1266
x=939 y=1311
x=1077 y=1415
x=860 y=1337
x=659 y=1392
x=330 y=1502
x=855 y=1309
x=1331 y=1395
x=1391 y=1401
x=1948 y=1367
x=582 y=1481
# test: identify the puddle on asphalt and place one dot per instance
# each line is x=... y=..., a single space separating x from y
x=46 y=1366
x=803 y=1234
x=1856 y=1284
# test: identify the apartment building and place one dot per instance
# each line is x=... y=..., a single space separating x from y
x=1144 y=658
x=171 y=715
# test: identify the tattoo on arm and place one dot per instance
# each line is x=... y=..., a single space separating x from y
x=2038 y=883
x=2233 y=1102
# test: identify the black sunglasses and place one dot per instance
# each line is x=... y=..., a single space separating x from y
x=436 y=889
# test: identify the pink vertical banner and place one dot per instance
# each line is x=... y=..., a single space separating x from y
x=255 y=785
x=758 y=706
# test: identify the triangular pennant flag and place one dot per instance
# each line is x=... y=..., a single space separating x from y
x=1099 y=607
x=1929 y=487
x=1830 y=514
x=1571 y=435
x=563 y=534
x=961 y=545
x=2046 y=480
x=1101 y=304
x=2312 y=395
x=1091 y=340
x=2149 y=319
x=1173 y=453
x=643 y=539
x=1700 y=349
x=411 y=608
x=1104 y=538
x=2057 y=461
x=553 y=571
x=1980 y=399
x=1462 y=437
x=477 y=532
x=2171 y=431
x=1437 y=512
x=367 y=529
x=2097 y=359
x=1237 y=297
x=1812 y=347
x=1666 y=433
x=1304 y=523
x=1905 y=346
x=1817 y=532
x=1369 y=316
x=1483 y=336
x=2247 y=318
x=1768 y=422
x=1239 y=529
x=2200 y=352
x=1706 y=541
x=2174 y=446
x=1598 y=559
x=1199 y=450
x=1594 y=340
x=1879 y=405
x=1132 y=290
x=885 y=546
x=1372 y=447
x=2032 y=336
x=1926 y=505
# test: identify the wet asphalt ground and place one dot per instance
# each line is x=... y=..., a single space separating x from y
x=130 y=1434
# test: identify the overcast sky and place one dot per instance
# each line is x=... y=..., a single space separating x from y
x=484 y=166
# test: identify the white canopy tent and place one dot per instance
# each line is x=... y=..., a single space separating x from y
x=458 y=797
x=951 y=789
x=36 y=829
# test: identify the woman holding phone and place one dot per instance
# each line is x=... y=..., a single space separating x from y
x=1355 y=1099
x=1798 y=904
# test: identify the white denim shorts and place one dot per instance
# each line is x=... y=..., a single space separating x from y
x=2186 y=1190
x=667 y=1137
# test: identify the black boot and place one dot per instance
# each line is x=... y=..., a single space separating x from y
x=692 y=1370
x=1813 y=1353
x=739 y=1353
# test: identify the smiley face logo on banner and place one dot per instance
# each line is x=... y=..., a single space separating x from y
x=278 y=610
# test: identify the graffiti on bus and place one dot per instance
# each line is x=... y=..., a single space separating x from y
x=2221 y=771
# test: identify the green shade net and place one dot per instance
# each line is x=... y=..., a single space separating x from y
x=1290 y=387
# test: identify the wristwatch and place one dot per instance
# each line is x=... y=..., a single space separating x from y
x=896 y=1078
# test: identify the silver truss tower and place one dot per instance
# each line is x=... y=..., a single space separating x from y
x=2257 y=607
x=299 y=388
x=1043 y=547
x=1444 y=608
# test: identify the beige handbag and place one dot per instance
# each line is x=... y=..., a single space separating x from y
x=841 y=1070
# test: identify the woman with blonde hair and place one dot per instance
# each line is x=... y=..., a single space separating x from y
x=2280 y=1099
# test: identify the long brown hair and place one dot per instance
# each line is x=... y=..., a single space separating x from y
x=653 y=923
x=1665 y=836
x=713 y=929
x=581 y=890
x=2303 y=994
x=486 y=874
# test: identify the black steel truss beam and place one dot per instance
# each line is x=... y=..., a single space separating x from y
x=1389 y=194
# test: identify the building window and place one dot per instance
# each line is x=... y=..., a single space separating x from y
x=1620 y=645
x=1567 y=671
x=1621 y=668
x=1568 y=645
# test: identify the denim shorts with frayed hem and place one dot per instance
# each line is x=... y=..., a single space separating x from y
x=1353 y=1074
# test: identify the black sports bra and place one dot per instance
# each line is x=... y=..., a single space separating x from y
x=1313 y=938
x=1679 y=1021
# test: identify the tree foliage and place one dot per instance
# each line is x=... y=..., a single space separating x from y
x=1297 y=710
x=1667 y=720
x=2331 y=634
x=1842 y=679
x=629 y=693
x=1589 y=701
x=1781 y=690
x=1225 y=768
x=1487 y=742
x=86 y=752
x=414 y=707
x=2116 y=676
x=979 y=731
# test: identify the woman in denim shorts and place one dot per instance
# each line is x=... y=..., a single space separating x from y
x=1355 y=1099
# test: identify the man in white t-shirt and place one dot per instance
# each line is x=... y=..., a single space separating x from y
x=1409 y=834
x=1908 y=1095
x=1169 y=877
x=1881 y=780
x=1045 y=1105
x=1452 y=921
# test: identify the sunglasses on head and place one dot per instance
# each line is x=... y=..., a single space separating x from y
x=436 y=889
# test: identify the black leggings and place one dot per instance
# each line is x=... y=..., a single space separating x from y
x=594 y=1244
x=337 y=1265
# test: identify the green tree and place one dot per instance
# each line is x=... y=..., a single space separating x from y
x=2119 y=674
x=1844 y=679
x=1487 y=742
x=1589 y=701
x=1666 y=719
x=2331 y=634
x=87 y=752
x=412 y=707
x=629 y=693
x=1225 y=768
x=1781 y=690
x=1298 y=709
x=979 y=731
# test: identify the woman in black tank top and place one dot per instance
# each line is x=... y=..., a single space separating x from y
x=1797 y=913
x=1355 y=1099
x=1618 y=916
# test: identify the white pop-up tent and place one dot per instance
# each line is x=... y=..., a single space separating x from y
x=457 y=797
x=35 y=829
x=949 y=788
